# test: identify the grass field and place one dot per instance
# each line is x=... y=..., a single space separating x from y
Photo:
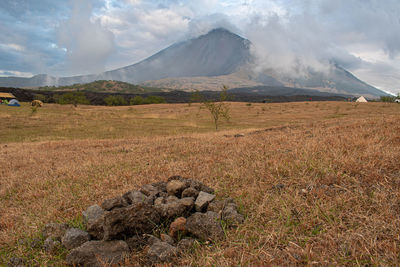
x=318 y=182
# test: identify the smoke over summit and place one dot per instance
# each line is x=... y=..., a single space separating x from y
x=88 y=45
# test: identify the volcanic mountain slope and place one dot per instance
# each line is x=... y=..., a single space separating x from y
x=205 y=63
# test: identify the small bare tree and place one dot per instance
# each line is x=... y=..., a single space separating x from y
x=219 y=109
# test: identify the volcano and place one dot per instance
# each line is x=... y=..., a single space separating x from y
x=205 y=63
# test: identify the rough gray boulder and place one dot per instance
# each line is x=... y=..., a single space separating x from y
x=98 y=253
x=231 y=216
x=135 y=197
x=172 y=207
x=113 y=203
x=136 y=242
x=55 y=230
x=205 y=226
x=74 y=237
x=175 y=187
x=219 y=205
x=95 y=227
x=92 y=213
x=161 y=252
x=167 y=238
x=202 y=201
x=190 y=192
x=150 y=190
x=132 y=220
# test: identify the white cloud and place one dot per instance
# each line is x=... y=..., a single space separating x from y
x=5 y=73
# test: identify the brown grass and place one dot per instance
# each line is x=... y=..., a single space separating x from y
x=337 y=166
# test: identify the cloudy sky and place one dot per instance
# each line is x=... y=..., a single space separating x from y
x=70 y=37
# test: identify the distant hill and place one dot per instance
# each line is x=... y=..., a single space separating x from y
x=205 y=63
x=104 y=86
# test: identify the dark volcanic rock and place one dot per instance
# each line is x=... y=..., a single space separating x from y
x=95 y=227
x=136 y=242
x=136 y=197
x=129 y=221
x=117 y=202
x=150 y=191
x=219 y=205
x=167 y=238
x=190 y=192
x=98 y=253
x=205 y=226
x=175 y=187
x=55 y=230
x=74 y=238
x=92 y=213
x=202 y=201
x=231 y=216
x=172 y=207
x=161 y=252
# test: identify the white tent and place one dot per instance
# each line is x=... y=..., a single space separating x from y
x=361 y=99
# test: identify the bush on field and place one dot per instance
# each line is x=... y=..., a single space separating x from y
x=115 y=100
x=73 y=98
x=138 y=100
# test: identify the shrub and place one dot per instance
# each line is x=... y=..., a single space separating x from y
x=115 y=100
x=73 y=98
x=137 y=100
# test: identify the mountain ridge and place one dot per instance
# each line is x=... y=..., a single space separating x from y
x=205 y=61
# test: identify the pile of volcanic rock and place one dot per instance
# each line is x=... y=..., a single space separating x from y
x=186 y=209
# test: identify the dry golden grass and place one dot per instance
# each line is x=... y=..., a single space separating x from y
x=319 y=183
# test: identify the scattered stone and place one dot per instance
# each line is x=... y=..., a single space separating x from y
x=92 y=213
x=205 y=226
x=190 y=192
x=150 y=190
x=175 y=187
x=202 y=201
x=167 y=238
x=238 y=135
x=136 y=243
x=74 y=237
x=219 y=205
x=188 y=202
x=135 y=197
x=55 y=230
x=231 y=216
x=185 y=245
x=129 y=221
x=16 y=262
x=151 y=239
x=177 y=227
x=200 y=186
x=51 y=246
x=172 y=207
x=161 y=252
x=95 y=227
x=98 y=253
x=161 y=186
x=117 y=202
